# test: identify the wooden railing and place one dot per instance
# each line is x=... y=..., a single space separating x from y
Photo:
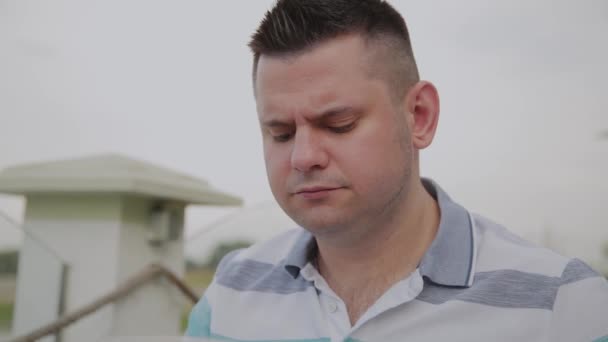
x=149 y=273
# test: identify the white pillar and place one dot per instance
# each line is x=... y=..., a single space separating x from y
x=91 y=224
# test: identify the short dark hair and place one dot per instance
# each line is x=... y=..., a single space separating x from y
x=295 y=26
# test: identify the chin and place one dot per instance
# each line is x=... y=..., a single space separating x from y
x=320 y=224
x=319 y=217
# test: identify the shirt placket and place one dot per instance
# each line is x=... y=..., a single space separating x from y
x=333 y=308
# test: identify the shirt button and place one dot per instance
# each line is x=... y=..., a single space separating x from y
x=333 y=307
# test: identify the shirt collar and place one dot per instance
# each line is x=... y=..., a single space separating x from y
x=449 y=259
x=300 y=253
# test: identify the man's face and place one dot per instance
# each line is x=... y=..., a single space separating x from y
x=336 y=145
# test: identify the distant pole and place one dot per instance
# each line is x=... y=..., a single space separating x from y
x=603 y=135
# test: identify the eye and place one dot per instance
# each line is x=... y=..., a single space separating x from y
x=343 y=128
x=282 y=137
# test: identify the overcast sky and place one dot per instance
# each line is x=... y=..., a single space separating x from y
x=523 y=86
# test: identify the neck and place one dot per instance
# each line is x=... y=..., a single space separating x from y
x=393 y=247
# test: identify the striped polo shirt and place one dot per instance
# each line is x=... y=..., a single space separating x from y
x=476 y=282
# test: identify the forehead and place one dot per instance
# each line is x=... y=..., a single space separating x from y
x=333 y=70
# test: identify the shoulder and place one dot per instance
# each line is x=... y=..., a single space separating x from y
x=505 y=258
x=245 y=281
x=269 y=252
x=498 y=249
x=261 y=267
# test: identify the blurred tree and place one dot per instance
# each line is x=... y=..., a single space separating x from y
x=224 y=248
x=8 y=262
x=192 y=265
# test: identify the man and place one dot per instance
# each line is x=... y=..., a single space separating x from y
x=383 y=254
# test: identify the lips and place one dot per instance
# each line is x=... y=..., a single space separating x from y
x=314 y=189
x=315 y=192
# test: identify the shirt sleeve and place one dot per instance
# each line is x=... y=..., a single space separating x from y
x=580 y=310
x=199 y=322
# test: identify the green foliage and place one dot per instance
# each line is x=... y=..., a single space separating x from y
x=8 y=262
x=224 y=248
x=6 y=314
x=184 y=319
x=192 y=265
x=200 y=278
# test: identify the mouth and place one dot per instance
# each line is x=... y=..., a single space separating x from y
x=316 y=192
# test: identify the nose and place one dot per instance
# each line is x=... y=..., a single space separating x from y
x=308 y=152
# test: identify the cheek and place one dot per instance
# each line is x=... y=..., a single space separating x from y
x=374 y=159
x=277 y=165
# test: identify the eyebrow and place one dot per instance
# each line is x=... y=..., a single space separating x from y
x=328 y=114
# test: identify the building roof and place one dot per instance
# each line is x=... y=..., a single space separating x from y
x=110 y=174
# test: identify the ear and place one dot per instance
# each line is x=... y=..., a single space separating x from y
x=422 y=103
